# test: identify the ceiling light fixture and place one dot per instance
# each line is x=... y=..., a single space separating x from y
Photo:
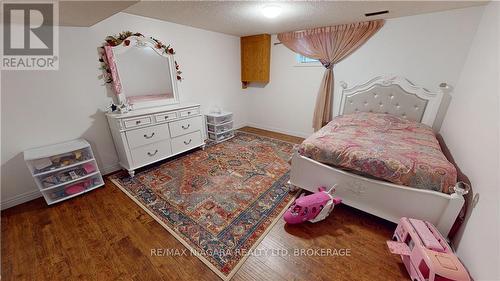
x=271 y=11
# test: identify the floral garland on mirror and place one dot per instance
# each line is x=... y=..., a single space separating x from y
x=115 y=40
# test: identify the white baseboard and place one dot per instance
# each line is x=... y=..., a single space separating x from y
x=111 y=169
x=278 y=130
x=19 y=199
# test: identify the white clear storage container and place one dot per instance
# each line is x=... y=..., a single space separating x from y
x=69 y=190
x=57 y=167
x=220 y=128
x=68 y=174
x=220 y=137
x=60 y=161
x=219 y=118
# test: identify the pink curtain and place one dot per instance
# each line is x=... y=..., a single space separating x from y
x=329 y=45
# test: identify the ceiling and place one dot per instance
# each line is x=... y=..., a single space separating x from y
x=88 y=13
x=241 y=18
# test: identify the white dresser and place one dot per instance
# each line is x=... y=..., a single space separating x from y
x=148 y=135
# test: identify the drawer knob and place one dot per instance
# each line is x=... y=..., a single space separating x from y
x=187 y=142
x=154 y=153
x=166 y=117
x=148 y=137
x=186 y=127
x=189 y=112
x=138 y=122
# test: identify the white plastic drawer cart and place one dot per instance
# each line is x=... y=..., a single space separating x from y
x=64 y=170
x=219 y=126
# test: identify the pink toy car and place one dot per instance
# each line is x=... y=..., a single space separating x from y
x=425 y=253
x=313 y=208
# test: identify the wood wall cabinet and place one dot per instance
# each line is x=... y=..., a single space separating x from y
x=255 y=59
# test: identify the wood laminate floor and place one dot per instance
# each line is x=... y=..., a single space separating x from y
x=104 y=235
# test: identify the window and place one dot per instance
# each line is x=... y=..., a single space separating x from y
x=302 y=59
x=305 y=61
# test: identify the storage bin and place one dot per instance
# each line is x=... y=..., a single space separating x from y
x=63 y=170
x=220 y=137
x=219 y=118
x=69 y=174
x=66 y=191
x=45 y=165
x=220 y=128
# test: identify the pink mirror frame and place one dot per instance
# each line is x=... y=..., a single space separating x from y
x=117 y=85
x=109 y=64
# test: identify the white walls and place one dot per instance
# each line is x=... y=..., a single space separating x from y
x=471 y=130
x=44 y=107
x=428 y=49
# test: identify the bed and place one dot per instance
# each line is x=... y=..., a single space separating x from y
x=381 y=152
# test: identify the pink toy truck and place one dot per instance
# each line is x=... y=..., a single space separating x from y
x=425 y=253
x=313 y=208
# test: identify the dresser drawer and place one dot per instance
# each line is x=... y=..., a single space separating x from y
x=143 y=136
x=189 y=112
x=136 y=122
x=150 y=153
x=182 y=127
x=162 y=117
x=186 y=142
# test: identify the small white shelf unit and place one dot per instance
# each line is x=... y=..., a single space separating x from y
x=64 y=170
x=219 y=126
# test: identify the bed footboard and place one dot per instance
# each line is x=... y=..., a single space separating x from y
x=380 y=198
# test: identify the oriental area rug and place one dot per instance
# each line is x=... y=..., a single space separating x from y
x=218 y=202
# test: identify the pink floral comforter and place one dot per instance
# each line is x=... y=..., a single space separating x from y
x=383 y=146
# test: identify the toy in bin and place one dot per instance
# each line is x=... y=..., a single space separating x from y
x=73 y=189
x=314 y=207
x=425 y=253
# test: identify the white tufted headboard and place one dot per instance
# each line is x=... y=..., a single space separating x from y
x=391 y=94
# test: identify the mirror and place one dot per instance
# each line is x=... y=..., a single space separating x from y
x=147 y=72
